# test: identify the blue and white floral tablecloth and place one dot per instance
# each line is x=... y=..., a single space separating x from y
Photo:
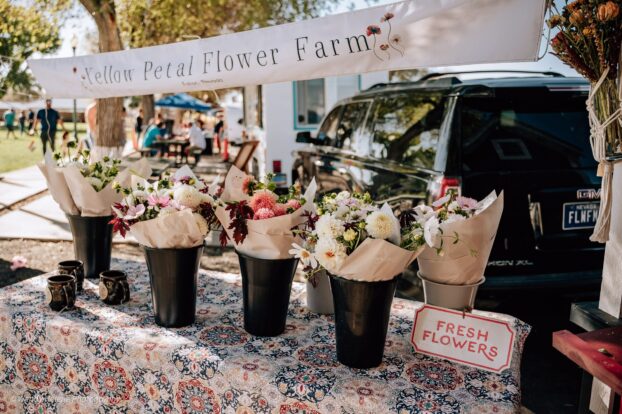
x=105 y=359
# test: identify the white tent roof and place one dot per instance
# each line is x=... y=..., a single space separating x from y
x=60 y=104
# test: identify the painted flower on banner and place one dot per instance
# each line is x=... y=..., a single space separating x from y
x=373 y=30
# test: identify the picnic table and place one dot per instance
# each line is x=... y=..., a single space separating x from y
x=179 y=145
x=116 y=359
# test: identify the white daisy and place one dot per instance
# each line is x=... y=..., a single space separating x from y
x=328 y=226
x=304 y=255
x=188 y=196
x=330 y=254
x=380 y=225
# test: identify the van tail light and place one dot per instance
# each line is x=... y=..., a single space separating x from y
x=440 y=186
x=276 y=166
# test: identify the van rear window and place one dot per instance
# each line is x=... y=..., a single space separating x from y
x=523 y=130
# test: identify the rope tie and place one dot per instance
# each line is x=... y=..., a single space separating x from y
x=598 y=142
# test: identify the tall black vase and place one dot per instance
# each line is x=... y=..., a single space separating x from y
x=173 y=277
x=266 y=285
x=92 y=243
x=362 y=311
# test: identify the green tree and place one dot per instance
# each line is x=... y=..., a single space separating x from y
x=148 y=23
x=24 y=31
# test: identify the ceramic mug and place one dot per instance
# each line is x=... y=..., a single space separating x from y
x=74 y=268
x=60 y=293
x=113 y=287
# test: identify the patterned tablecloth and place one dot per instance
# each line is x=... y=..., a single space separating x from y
x=105 y=359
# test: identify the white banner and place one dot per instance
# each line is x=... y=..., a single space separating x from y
x=404 y=35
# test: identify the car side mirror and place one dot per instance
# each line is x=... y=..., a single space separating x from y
x=304 y=137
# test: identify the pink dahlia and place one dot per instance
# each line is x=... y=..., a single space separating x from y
x=466 y=203
x=262 y=199
x=293 y=204
x=263 y=213
x=279 y=210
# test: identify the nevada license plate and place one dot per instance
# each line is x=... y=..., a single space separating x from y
x=580 y=215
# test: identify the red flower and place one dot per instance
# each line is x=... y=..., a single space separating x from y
x=373 y=30
x=387 y=16
x=384 y=47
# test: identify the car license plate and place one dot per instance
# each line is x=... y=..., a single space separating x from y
x=580 y=215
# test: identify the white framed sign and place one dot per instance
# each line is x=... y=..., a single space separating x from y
x=469 y=339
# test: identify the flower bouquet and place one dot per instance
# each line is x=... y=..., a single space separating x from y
x=170 y=219
x=83 y=188
x=589 y=40
x=260 y=223
x=360 y=246
x=459 y=233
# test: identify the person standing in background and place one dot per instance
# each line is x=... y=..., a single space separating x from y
x=90 y=116
x=9 y=119
x=31 y=121
x=22 y=123
x=138 y=127
x=49 y=118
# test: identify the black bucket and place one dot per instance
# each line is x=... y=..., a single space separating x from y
x=266 y=285
x=173 y=277
x=362 y=311
x=92 y=243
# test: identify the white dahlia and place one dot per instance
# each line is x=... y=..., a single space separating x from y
x=329 y=227
x=330 y=254
x=188 y=196
x=380 y=225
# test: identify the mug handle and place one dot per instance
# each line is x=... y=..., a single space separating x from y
x=126 y=291
x=66 y=298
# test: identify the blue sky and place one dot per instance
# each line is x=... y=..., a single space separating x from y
x=81 y=25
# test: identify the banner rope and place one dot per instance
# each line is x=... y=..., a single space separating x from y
x=598 y=142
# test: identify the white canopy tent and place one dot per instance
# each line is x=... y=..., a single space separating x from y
x=403 y=35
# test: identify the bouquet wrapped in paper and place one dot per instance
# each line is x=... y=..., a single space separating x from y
x=84 y=187
x=174 y=212
x=352 y=238
x=259 y=221
x=459 y=234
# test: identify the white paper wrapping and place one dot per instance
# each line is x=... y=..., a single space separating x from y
x=457 y=266
x=269 y=238
x=176 y=231
x=75 y=195
x=375 y=260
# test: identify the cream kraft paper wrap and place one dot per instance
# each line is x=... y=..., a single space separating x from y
x=377 y=260
x=269 y=238
x=76 y=196
x=458 y=266
x=176 y=231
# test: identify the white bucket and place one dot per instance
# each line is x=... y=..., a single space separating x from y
x=456 y=297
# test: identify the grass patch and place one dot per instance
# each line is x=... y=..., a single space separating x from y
x=15 y=154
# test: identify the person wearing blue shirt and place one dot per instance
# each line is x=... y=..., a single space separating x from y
x=9 y=118
x=49 y=118
x=152 y=134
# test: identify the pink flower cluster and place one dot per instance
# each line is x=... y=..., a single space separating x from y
x=265 y=205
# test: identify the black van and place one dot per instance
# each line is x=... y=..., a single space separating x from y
x=408 y=143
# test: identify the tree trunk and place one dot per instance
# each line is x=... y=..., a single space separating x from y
x=110 y=120
x=148 y=105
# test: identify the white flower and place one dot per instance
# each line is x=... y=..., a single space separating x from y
x=432 y=231
x=349 y=235
x=330 y=254
x=344 y=195
x=304 y=255
x=202 y=223
x=329 y=227
x=95 y=182
x=423 y=213
x=188 y=196
x=452 y=218
x=380 y=225
x=441 y=201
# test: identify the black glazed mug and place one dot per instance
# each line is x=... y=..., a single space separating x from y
x=60 y=292
x=74 y=268
x=113 y=287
